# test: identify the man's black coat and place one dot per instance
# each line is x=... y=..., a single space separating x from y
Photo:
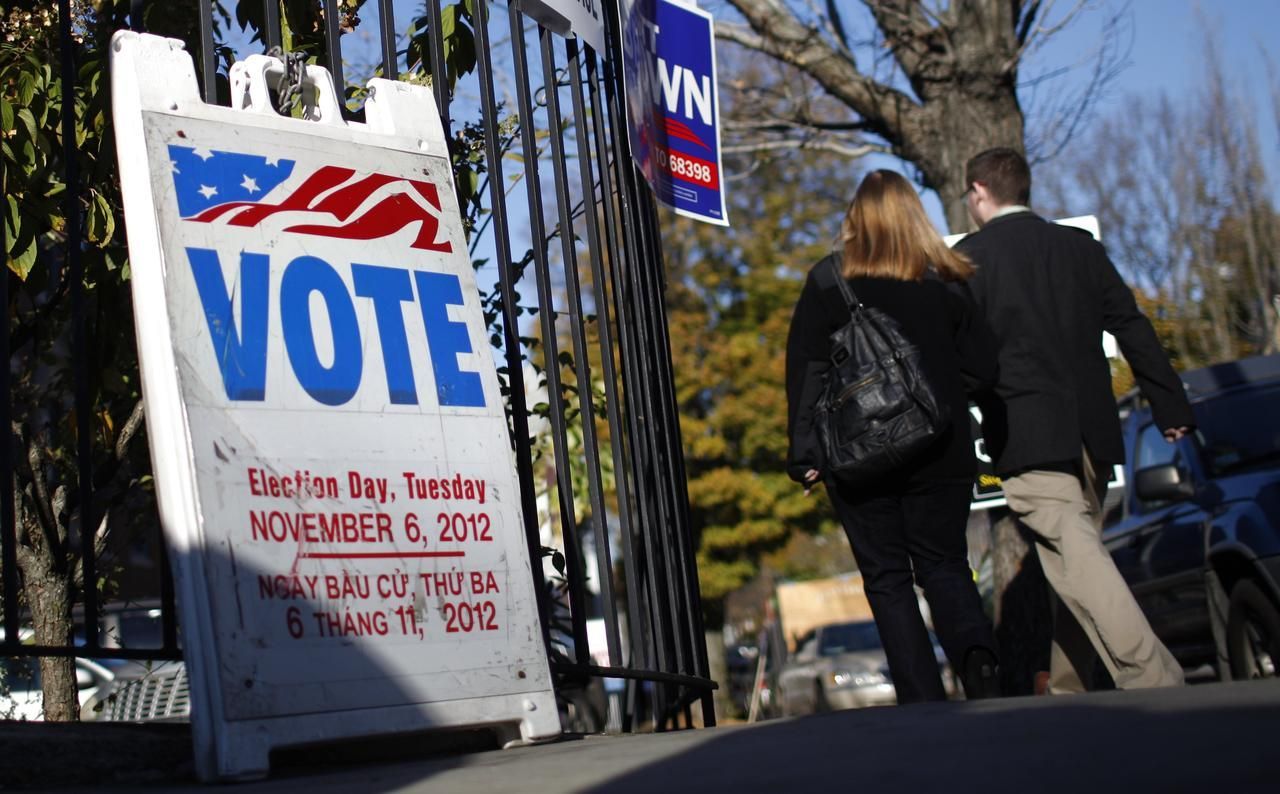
x=1048 y=292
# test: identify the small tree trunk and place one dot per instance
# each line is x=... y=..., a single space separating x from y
x=1023 y=612
x=50 y=605
x=719 y=671
x=46 y=587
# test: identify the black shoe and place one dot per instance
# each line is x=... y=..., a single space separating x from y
x=981 y=675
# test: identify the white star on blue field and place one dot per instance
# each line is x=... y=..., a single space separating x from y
x=205 y=178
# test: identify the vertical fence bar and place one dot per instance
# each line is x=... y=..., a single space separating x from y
x=604 y=557
x=208 y=68
x=550 y=342
x=653 y=316
x=578 y=331
x=333 y=45
x=656 y=531
x=633 y=383
x=168 y=601
x=271 y=33
x=653 y=311
x=691 y=648
x=641 y=408
x=510 y=330
x=685 y=552
x=623 y=451
x=439 y=71
x=74 y=271
x=8 y=521
x=387 y=31
x=622 y=469
x=687 y=590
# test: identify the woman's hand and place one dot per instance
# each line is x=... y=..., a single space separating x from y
x=810 y=478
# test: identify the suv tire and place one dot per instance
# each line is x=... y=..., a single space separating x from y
x=1253 y=633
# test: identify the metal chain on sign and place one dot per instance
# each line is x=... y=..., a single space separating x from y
x=289 y=88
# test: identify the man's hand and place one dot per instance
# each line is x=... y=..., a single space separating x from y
x=1172 y=434
x=810 y=478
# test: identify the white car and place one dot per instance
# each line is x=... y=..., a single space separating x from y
x=843 y=666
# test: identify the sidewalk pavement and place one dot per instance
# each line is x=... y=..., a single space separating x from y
x=1210 y=737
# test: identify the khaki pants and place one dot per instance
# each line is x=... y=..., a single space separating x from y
x=1101 y=617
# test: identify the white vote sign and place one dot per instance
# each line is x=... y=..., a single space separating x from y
x=329 y=442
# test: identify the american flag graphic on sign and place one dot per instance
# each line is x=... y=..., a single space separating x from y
x=235 y=189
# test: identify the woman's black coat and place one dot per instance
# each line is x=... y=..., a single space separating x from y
x=958 y=356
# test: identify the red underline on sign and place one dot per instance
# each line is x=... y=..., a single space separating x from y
x=382 y=555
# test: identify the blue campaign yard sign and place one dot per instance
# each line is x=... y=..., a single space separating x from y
x=673 y=105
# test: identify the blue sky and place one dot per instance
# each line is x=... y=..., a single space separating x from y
x=1166 y=55
x=1169 y=37
x=1168 y=47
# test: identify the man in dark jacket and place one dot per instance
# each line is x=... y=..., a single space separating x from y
x=1048 y=292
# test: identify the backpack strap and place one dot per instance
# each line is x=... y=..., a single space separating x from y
x=850 y=299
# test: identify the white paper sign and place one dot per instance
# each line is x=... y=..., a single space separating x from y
x=581 y=18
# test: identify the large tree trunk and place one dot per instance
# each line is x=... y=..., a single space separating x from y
x=960 y=61
x=959 y=126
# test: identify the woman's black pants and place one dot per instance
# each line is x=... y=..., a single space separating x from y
x=916 y=528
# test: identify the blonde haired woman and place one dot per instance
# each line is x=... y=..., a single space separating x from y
x=908 y=526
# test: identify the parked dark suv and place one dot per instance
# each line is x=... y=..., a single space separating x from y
x=1198 y=536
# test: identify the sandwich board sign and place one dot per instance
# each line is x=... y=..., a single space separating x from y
x=329 y=442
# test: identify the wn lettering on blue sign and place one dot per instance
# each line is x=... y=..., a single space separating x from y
x=242 y=351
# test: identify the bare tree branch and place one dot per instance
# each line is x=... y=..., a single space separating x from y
x=782 y=124
x=780 y=34
x=740 y=34
x=1057 y=122
x=1030 y=34
x=42 y=504
x=25 y=555
x=130 y=428
x=99 y=548
x=921 y=49
x=1026 y=19
x=851 y=152
x=837 y=24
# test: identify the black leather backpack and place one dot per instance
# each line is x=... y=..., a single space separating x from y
x=877 y=410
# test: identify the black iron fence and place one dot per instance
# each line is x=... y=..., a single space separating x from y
x=587 y=359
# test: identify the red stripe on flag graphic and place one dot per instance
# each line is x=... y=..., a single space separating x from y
x=331 y=192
